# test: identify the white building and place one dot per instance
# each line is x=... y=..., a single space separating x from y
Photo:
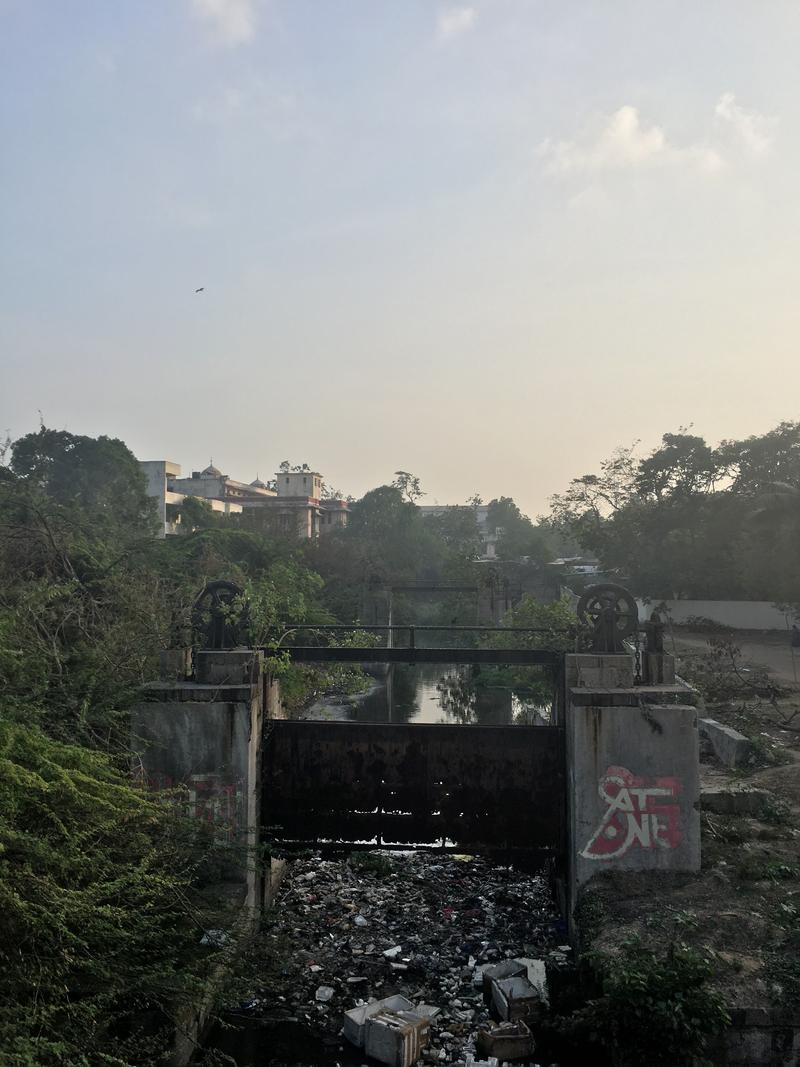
x=162 y=477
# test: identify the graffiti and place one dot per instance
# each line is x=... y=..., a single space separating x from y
x=639 y=812
x=205 y=798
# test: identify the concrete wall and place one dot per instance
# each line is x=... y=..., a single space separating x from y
x=157 y=472
x=203 y=740
x=738 y=614
x=299 y=483
x=633 y=782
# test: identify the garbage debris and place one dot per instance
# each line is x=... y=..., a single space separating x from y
x=448 y=922
x=355 y=1020
x=516 y=998
x=508 y=1041
x=396 y=1038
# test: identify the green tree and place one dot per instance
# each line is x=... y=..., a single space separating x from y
x=100 y=913
x=101 y=476
x=518 y=537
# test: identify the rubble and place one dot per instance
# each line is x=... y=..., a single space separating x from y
x=446 y=921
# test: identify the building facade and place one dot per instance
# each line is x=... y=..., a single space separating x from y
x=295 y=506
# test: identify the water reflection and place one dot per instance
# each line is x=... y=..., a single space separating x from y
x=442 y=694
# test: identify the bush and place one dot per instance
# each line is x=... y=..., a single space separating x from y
x=655 y=1009
x=97 y=924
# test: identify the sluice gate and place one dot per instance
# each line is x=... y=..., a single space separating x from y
x=397 y=785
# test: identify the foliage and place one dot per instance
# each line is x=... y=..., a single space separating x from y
x=99 y=921
x=656 y=1007
x=518 y=536
x=555 y=629
x=408 y=485
x=197 y=514
x=693 y=521
x=100 y=476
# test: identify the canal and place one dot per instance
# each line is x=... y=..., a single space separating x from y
x=434 y=693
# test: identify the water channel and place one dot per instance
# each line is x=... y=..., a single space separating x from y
x=433 y=693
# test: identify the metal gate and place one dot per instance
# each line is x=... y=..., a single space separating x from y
x=396 y=785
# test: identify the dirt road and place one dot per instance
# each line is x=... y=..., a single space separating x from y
x=770 y=650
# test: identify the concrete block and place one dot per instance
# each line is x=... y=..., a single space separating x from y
x=355 y=1020
x=516 y=998
x=175 y=664
x=633 y=789
x=613 y=671
x=730 y=747
x=730 y=800
x=216 y=667
x=396 y=1038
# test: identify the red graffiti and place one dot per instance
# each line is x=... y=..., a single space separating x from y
x=639 y=812
x=203 y=797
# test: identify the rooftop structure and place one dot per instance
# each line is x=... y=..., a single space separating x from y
x=296 y=506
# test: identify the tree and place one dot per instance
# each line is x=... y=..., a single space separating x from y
x=408 y=485
x=99 y=907
x=689 y=520
x=100 y=475
x=518 y=536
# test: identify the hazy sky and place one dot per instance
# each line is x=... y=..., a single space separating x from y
x=483 y=242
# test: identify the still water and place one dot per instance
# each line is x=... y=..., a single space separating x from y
x=433 y=693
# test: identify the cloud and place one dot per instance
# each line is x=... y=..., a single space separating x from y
x=624 y=142
x=756 y=131
x=454 y=21
x=233 y=22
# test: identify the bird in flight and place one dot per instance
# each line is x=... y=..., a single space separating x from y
x=200 y=290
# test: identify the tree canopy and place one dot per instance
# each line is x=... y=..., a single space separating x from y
x=695 y=521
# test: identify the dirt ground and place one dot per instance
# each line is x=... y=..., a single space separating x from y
x=766 y=649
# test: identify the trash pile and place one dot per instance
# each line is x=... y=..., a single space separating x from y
x=413 y=958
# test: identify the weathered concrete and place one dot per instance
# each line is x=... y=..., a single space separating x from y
x=633 y=781
x=758 y=1037
x=634 y=787
x=596 y=697
x=228 y=667
x=733 y=800
x=591 y=670
x=203 y=740
x=730 y=747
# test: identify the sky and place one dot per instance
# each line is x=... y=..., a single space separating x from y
x=484 y=242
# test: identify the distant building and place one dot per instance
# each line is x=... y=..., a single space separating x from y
x=162 y=477
x=212 y=484
x=298 y=506
x=295 y=506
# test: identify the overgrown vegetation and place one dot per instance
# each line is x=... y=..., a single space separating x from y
x=655 y=1007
